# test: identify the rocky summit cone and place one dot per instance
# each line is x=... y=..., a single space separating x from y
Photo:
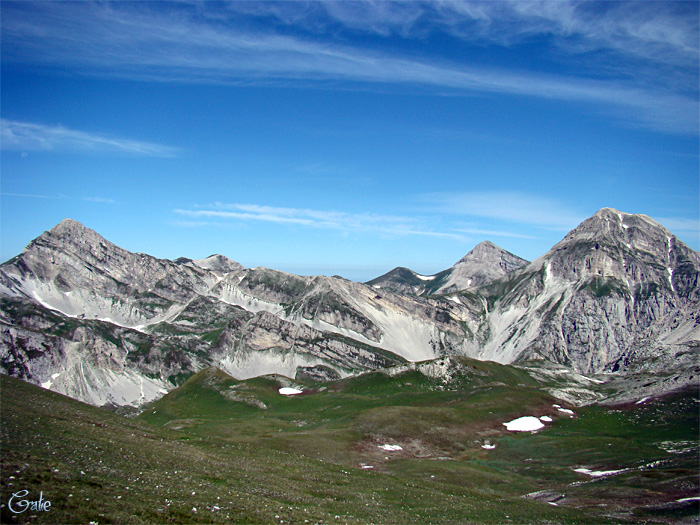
x=486 y=262
x=218 y=263
x=633 y=250
x=619 y=291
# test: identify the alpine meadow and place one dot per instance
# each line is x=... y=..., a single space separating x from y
x=350 y=262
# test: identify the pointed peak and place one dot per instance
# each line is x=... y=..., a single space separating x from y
x=69 y=232
x=487 y=250
x=67 y=225
x=608 y=212
x=621 y=216
x=608 y=222
x=485 y=247
x=218 y=263
x=70 y=229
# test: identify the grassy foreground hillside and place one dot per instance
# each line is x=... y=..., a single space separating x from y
x=420 y=446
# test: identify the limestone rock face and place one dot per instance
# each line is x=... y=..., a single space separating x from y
x=218 y=263
x=75 y=306
x=485 y=263
x=617 y=290
x=74 y=270
x=84 y=317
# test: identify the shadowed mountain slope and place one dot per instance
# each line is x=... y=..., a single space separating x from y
x=79 y=315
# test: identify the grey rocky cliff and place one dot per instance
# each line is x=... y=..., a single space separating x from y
x=618 y=295
x=73 y=293
x=74 y=270
x=617 y=284
x=486 y=262
x=218 y=263
x=91 y=360
x=265 y=344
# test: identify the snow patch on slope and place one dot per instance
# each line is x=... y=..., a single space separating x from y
x=524 y=424
x=289 y=391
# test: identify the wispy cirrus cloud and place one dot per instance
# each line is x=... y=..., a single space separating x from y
x=31 y=195
x=681 y=225
x=493 y=233
x=193 y=43
x=656 y=31
x=654 y=44
x=99 y=200
x=510 y=207
x=30 y=136
x=324 y=219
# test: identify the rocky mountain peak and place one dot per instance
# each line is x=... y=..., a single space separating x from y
x=486 y=262
x=69 y=230
x=629 y=247
x=613 y=226
x=67 y=224
x=487 y=253
x=606 y=297
x=218 y=263
x=480 y=251
x=71 y=236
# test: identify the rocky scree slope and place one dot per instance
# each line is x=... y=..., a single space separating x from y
x=618 y=293
x=87 y=318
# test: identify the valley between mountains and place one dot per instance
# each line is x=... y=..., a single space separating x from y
x=83 y=317
x=255 y=395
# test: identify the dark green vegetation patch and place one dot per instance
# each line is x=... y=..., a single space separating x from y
x=418 y=443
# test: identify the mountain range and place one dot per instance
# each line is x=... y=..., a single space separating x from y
x=485 y=263
x=617 y=297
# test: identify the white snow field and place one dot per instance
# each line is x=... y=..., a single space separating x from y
x=391 y=448
x=524 y=424
x=570 y=413
x=599 y=473
x=288 y=391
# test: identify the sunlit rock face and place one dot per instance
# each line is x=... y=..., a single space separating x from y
x=87 y=318
x=616 y=293
x=485 y=263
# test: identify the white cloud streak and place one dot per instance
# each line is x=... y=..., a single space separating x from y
x=179 y=44
x=656 y=31
x=29 y=136
x=31 y=196
x=494 y=233
x=324 y=219
x=100 y=200
x=681 y=225
x=512 y=207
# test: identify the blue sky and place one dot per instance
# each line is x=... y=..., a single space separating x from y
x=346 y=137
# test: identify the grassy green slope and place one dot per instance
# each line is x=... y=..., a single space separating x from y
x=441 y=426
x=238 y=451
x=96 y=466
